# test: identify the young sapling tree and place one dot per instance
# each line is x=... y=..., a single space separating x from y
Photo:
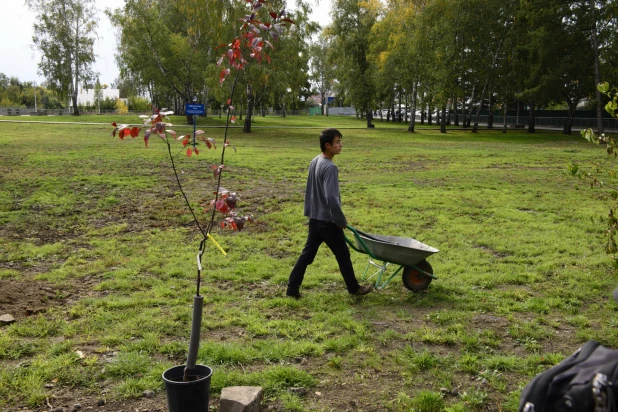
x=249 y=46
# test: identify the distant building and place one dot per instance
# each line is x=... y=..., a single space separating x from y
x=86 y=96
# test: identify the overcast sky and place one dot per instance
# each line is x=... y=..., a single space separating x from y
x=18 y=59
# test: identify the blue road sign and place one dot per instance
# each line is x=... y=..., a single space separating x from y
x=331 y=99
x=191 y=108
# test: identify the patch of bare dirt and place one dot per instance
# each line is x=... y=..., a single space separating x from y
x=26 y=298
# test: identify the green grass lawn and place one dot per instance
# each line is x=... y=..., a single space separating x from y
x=523 y=279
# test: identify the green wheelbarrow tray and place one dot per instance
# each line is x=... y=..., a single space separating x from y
x=408 y=253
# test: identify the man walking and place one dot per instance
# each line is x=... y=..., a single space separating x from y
x=326 y=219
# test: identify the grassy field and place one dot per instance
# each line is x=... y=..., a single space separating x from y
x=97 y=264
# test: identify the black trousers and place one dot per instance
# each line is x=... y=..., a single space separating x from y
x=334 y=238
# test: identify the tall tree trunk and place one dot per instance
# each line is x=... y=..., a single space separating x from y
x=423 y=117
x=490 y=113
x=247 y=125
x=475 y=129
x=76 y=61
x=597 y=76
x=369 y=119
x=429 y=120
x=463 y=112
x=455 y=111
x=449 y=113
x=504 y=122
x=568 y=123
x=324 y=102
x=414 y=97
x=443 y=119
x=531 y=118
x=468 y=116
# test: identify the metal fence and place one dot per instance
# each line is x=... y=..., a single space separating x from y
x=549 y=122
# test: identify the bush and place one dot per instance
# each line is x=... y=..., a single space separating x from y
x=121 y=107
x=139 y=104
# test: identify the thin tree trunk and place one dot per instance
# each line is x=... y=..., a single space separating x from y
x=531 y=118
x=247 y=125
x=468 y=116
x=475 y=129
x=504 y=122
x=443 y=119
x=455 y=111
x=568 y=124
x=414 y=97
x=76 y=61
x=490 y=114
x=369 y=119
x=429 y=120
x=597 y=76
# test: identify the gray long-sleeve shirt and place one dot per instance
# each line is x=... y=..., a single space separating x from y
x=322 y=198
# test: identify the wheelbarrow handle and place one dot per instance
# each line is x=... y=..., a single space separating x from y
x=359 y=239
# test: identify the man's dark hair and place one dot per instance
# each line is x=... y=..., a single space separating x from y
x=327 y=136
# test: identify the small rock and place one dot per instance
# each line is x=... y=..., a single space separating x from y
x=101 y=402
x=7 y=319
x=148 y=394
x=298 y=391
x=241 y=399
x=455 y=391
x=49 y=385
x=484 y=381
x=444 y=390
x=77 y=406
x=318 y=393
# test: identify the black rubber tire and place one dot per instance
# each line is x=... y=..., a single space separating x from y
x=415 y=280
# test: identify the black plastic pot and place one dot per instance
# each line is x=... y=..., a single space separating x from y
x=191 y=396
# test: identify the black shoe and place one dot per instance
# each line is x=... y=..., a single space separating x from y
x=363 y=290
x=295 y=295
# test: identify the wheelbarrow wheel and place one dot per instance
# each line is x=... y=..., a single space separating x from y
x=415 y=280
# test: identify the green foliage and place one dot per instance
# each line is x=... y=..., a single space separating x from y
x=604 y=175
x=64 y=33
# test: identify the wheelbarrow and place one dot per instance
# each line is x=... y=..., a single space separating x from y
x=408 y=253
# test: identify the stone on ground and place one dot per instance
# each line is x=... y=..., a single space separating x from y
x=241 y=399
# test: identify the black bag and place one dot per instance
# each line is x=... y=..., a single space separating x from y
x=585 y=381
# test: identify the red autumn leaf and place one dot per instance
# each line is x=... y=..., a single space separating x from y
x=273 y=14
x=196 y=151
x=289 y=21
x=185 y=143
x=114 y=132
x=233 y=119
x=229 y=102
x=114 y=124
x=216 y=170
x=189 y=152
x=220 y=205
x=135 y=131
